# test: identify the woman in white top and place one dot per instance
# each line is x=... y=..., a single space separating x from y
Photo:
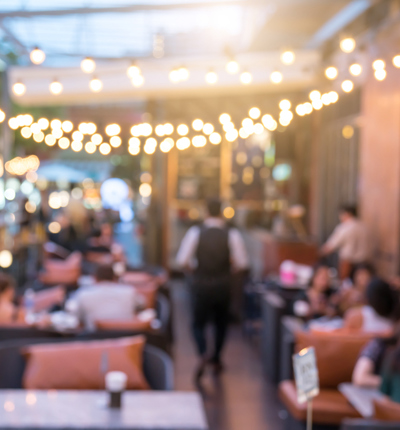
x=379 y=314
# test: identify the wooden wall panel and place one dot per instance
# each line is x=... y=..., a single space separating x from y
x=379 y=181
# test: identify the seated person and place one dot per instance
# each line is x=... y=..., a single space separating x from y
x=315 y=301
x=102 y=240
x=379 y=313
x=106 y=299
x=355 y=294
x=9 y=313
x=367 y=371
x=391 y=376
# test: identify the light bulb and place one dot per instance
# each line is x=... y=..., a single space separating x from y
x=3 y=116
x=246 y=78
x=347 y=86
x=67 y=126
x=183 y=143
x=215 y=138
x=208 y=128
x=285 y=104
x=232 y=135
x=199 y=141
x=133 y=71
x=138 y=81
x=55 y=124
x=287 y=57
x=254 y=113
x=88 y=65
x=96 y=138
x=76 y=145
x=314 y=95
x=276 y=77
x=300 y=110
x=77 y=135
x=331 y=72
x=43 y=123
x=174 y=76
x=317 y=104
x=224 y=118
x=211 y=77
x=159 y=130
x=183 y=73
x=115 y=141
x=182 y=130
x=232 y=67
x=19 y=89
x=378 y=65
x=396 y=61
x=307 y=108
x=105 y=148
x=56 y=87
x=168 y=129
x=50 y=140
x=347 y=45
x=37 y=56
x=96 y=85
x=113 y=129
x=197 y=124
x=63 y=143
x=334 y=96
x=355 y=69
x=90 y=148
x=380 y=75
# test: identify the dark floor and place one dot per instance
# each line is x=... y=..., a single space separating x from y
x=240 y=398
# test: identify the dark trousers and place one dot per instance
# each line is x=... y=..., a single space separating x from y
x=210 y=304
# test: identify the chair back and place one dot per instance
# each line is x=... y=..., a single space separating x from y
x=157 y=365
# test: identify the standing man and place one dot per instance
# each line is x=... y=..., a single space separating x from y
x=211 y=252
x=351 y=239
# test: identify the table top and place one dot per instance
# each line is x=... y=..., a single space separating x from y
x=141 y=410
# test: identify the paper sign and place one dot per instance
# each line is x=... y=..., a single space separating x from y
x=306 y=374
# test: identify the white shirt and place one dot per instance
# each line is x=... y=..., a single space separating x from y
x=374 y=323
x=105 y=300
x=351 y=240
x=187 y=251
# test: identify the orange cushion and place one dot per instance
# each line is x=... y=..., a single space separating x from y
x=77 y=365
x=133 y=324
x=329 y=407
x=387 y=410
x=341 y=351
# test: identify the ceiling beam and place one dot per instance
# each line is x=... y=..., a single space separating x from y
x=144 y=7
x=339 y=21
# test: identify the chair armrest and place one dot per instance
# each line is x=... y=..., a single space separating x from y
x=363 y=424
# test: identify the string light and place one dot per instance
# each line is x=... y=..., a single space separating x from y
x=215 y=138
x=183 y=143
x=67 y=126
x=232 y=67
x=43 y=123
x=317 y=104
x=3 y=116
x=76 y=145
x=63 y=143
x=314 y=95
x=288 y=57
x=396 y=61
x=168 y=129
x=232 y=135
x=88 y=65
x=347 y=86
x=160 y=130
x=134 y=150
x=285 y=105
x=26 y=132
x=166 y=145
x=211 y=77
x=331 y=72
x=77 y=135
x=334 y=96
x=182 y=130
x=258 y=128
x=325 y=99
x=150 y=146
x=347 y=45
x=246 y=78
x=104 y=148
x=208 y=128
x=56 y=87
x=307 y=108
x=133 y=70
x=37 y=56
x=13 y=123
x=224 y=118
x=115 y=141
x=276 y=77
x=197 y=124
x=38 y=137
x=247 y=123
x=199 y=141
x=90 y=148
x=97 y=138
x=254 y=113
x=56 y=124
x=300 y=110
x=378 y=65
x=35 y=128
x=19 y=89
x=355 y=69
x=113 y=129
x=96 y=85
x=137 y=81
x=50 y=140
x=380 y=74
x=134 y=141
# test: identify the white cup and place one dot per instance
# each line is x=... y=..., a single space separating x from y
x=116 y=381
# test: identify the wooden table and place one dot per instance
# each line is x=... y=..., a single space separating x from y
x=141 y=410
